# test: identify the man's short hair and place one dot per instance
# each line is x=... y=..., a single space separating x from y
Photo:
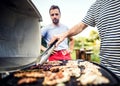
x=54 y=7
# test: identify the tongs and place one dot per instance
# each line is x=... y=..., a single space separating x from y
x=40 y=60
x=45 y=55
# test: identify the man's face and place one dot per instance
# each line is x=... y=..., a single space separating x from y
x=55 y=16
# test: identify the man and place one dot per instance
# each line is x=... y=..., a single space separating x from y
x=62 y=52
x=105 y=15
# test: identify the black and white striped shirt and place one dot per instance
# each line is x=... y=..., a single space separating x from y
x=105 y=15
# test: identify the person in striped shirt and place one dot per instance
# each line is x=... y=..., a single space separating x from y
x=105 y=15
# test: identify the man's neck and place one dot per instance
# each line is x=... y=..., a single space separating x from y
x=56 y=24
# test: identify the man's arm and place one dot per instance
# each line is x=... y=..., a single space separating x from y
x=71 y=44
x=78 y=28
x=43 y=44
x=71 y=32
x=43 y=48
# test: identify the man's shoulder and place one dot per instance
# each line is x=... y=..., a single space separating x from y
x=47 y=26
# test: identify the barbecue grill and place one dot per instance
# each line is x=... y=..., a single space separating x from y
x=20 y=41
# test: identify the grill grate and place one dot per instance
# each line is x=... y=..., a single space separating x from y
x=10 y=80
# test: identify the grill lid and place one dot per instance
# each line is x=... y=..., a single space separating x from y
x=14 y=64
x=19 y=33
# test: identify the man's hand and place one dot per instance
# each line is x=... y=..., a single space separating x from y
x=59 y=37
x=54 y=52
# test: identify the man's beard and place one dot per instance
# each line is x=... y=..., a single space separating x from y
x=55 y=21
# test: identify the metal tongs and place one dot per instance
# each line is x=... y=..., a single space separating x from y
x=45 y=55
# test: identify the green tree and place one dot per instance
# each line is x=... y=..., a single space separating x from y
x=94 y=35
x=90 y=42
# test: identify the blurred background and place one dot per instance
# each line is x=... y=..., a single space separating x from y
x=72 y=12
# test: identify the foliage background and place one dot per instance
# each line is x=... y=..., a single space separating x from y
x=92 y=42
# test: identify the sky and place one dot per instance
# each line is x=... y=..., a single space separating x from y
x=72 y=11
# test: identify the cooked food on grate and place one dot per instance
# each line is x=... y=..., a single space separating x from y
x=55 y=78
x=55 y=72
x=36 y=74
x=26 y=80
